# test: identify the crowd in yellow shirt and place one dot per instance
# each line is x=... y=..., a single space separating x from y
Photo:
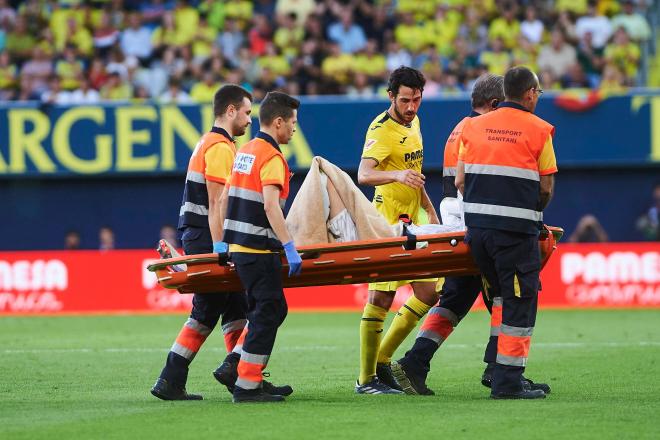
x=314 y=47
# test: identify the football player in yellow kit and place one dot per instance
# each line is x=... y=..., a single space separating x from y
x=392 y=162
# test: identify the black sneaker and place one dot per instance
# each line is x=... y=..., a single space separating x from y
x=227 y=372
x=524 y=394
x=410 y=383
x=241 y=395
x=375 y=386
x=282 y=390
x=528 y=384
x=384 y=373
x=166 y=391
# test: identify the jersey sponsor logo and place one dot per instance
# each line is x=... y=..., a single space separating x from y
x=404 y=139
x=369 y=143
x=244 y=162
x=415 y=155
x=378 y=198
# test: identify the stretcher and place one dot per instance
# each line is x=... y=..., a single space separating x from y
x=391 y=259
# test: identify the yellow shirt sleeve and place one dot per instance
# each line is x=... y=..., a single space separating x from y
x=272 y=173
x=376 y=146
x=219 y=159
x=547 y=161
x=461 y=150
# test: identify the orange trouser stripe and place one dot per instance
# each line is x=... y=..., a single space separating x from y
x=190 y=338
x=238 y=347
x=438 y=324
x=513 y=346
x=249 y=371
x=232 y=338
x=495 y=319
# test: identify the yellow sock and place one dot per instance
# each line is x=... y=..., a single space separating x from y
x=371 y=328
x=405 y=320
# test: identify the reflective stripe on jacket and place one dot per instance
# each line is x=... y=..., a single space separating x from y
x=246 y=222
x=195 y=204
x=501 y=150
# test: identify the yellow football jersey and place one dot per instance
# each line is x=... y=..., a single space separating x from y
x=395 y=147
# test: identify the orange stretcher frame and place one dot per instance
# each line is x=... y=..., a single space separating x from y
x=354 y=262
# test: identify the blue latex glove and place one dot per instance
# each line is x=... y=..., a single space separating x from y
x=295 y=262
x=220 y=247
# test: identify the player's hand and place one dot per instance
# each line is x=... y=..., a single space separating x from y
x=292 y=256
x=410 y=178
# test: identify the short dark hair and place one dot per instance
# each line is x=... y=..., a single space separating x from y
x=406 y=76
x=517 y=80
x=231 y=94
x=275 y=105
x=486 y=88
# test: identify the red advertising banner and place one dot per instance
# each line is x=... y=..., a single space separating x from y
x=52 y=282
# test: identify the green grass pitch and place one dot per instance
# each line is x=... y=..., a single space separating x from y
x=89 y=377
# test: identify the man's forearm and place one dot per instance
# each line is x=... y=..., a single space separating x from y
x=545 y=200
x=376 y=177
x=276 y=219
x=427 y=205
x=215 y=221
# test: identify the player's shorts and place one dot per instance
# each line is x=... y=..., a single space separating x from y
x=391 y=286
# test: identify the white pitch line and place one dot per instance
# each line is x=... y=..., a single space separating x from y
x=550 y=345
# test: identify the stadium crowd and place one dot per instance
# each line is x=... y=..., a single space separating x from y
x=77 y=51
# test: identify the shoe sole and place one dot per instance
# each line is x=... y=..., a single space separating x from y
x=513 y=397
x=257 y=401
x=169 y=399
x=400 y=376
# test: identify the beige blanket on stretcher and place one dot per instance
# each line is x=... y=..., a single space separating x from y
x=307 y=218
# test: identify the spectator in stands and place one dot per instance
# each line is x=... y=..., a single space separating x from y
x=230 y=40
x=36 y=71
x=588 y=230
x=259 y=35
x=566 y=23
x=167 y=35
x=597 y=25
x=302 y=9
x=649 y=223
x=347 y=34
x=204 y=91
x=84 y=94
x=474 y=31
x=575 y=78
x=54 y=93
x=635 y=24
x=174 y=94
x=69 y=69
x=106 y=238
x=506 y=28
x=371 y=63
x=8 y=76
x=548 y=80
x=289 y=36
x=105 y=35
x=76 y=35
x=135 y=40
x=7 y=13
x=19 y=41
x=152 y=12
x=613 y=81
x=558 y=56
x=186 y=19
x=496 y=59
x=360 y=87
x=97 y=73
x=72 y=241
x=591 y=59
x=625 y=54
x=267 y=8
x=532 y=28
x=116 y=89
x=336 y=67
x=397 y=56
